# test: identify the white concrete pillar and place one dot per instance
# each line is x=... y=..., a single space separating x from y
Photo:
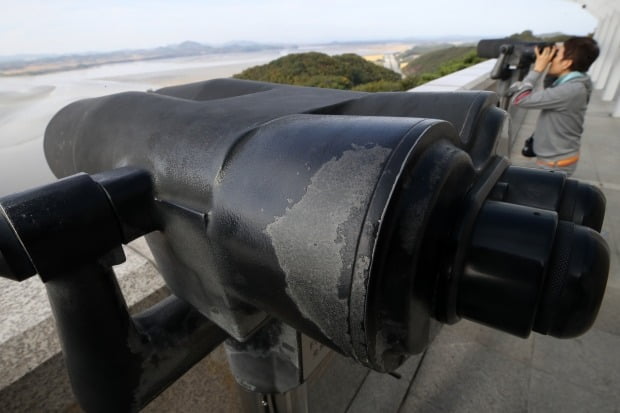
x=616 y=112
x=598 y=9
x=609 y=55
x=602 y=33
x=603 y=28
x=605 y=72
x=611 y=89
x=604 y=41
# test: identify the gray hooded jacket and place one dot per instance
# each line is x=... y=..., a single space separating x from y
x=560 y=124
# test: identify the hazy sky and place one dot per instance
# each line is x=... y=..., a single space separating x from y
x=59 y=26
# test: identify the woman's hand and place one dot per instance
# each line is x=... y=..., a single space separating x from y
x=544 y=57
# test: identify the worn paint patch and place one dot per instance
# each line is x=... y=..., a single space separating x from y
x=309 y=241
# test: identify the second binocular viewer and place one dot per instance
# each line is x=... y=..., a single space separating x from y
x=361 y=220
x=513 y=56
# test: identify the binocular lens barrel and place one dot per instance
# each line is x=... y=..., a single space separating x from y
x=343 y=214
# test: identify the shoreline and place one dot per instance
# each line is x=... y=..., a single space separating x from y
x=173 y=77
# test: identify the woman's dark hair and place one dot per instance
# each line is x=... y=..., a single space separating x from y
x=583 y=51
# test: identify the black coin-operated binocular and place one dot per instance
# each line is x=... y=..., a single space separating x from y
x=291 y=218
x=514 y=59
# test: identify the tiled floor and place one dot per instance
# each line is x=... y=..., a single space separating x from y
x=470 y=368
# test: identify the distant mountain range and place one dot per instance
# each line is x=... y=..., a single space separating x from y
x=39 y=64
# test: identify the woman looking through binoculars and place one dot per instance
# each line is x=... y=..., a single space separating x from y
x=557 y=137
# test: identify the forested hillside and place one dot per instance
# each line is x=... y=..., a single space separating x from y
x=345 y=71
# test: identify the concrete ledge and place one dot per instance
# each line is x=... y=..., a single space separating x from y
x=473 y=77
x=34 y=376
x=27 y=330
